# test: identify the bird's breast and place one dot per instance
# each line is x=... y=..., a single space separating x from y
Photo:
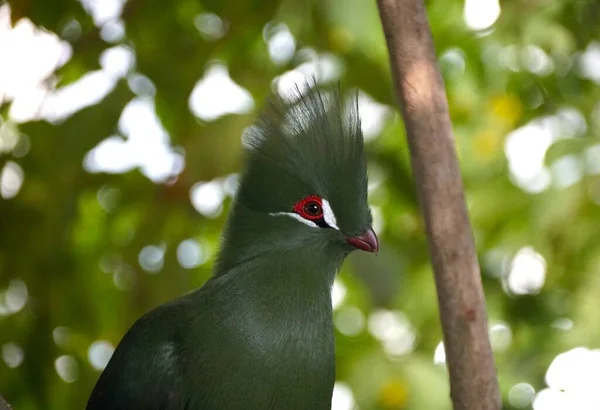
x=280 y=361
x=270 y=344
x=306 y=335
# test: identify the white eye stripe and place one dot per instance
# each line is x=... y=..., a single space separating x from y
x=328 y=216
x=297 y=217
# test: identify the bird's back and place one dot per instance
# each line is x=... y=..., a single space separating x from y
x=143 y=372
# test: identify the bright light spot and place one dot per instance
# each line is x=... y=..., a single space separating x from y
x=525 y=150
x=376 y=177
x=103 y=11
x=61 y=335
x=527 y=273
x=574 y=369
x=439 y=356
x=550 y=399
x=338 y=293
x=141 y=85
x=141 y=110
x=500 y=337
x=372 y=116
x=210 y=26
x=393 y=330
x=342 y=398
x=536 y=60
x=11 y=180
x=216 y=95
x=89 y=90
x=572 y=379
x=453 y=61
x=108 y=197
x=190 y=254
x=33 y=55
x=149 y=140
x=509 y=57
x=113 y=155
x=71 y=31
x=231 y=184
x=113 y=31
x=67 y=368
x=207 y=198
x=151 y=258
x=124 y=277
x=378 y=219
x=9 y=136
x=563 y=323
x=289 y=83
x=29 y=57
x=16 y=295
x=99 y=353
x=13 y=141
x=481 y=14
x=589 y=62
x=117 y=61
x=521 y=395
x=12 y=354
x=571 y=123
x=592 y=159
x=14 y=298
x=349 y=320
x=146 y=147
x=324 y=68
x=566 y=171
x=280 y=43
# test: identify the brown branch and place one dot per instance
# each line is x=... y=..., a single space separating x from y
x=420 y=90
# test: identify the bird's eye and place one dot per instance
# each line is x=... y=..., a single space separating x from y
x=313 y=208
x=310 y=208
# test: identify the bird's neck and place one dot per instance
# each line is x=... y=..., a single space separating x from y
x=275 y=331
x=285 y=281
x=281 y=302
x=272 y=280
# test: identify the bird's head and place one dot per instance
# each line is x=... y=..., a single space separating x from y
x=305 y=181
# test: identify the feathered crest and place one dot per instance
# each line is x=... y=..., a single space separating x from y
x=308 y=144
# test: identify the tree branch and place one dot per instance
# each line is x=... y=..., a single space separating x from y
x=422 y=97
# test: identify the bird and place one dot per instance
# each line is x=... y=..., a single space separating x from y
x=259 y=333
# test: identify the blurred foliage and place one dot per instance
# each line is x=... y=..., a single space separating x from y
x=77 y=252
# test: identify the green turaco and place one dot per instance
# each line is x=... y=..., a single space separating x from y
x=259 y=334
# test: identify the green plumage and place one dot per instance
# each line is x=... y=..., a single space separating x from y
x=259 y=334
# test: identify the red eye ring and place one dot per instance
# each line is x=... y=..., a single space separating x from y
x=310 y=208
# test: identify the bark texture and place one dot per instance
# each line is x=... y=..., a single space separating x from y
x=422 y=98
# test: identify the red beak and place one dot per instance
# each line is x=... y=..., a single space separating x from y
x=367 y=241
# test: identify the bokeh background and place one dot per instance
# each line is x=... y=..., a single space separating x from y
x=120 y=125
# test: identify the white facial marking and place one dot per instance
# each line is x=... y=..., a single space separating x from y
x=298 y=218
x=328 y=215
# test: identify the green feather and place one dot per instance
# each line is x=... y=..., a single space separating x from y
x=312 y=146
x=259 y=334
